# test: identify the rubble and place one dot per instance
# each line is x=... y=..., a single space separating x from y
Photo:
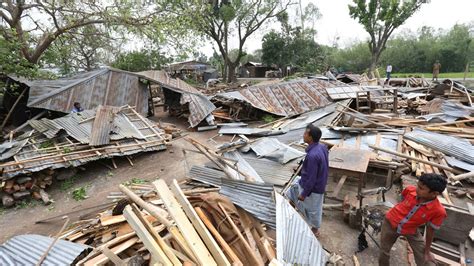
x=28 y=161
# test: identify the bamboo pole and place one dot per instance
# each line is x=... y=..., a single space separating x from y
x=445 y=167
x=12 y=109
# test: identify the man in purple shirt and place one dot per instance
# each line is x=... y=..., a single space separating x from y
x=307 y=192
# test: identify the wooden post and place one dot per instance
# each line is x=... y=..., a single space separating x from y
x=12 y=109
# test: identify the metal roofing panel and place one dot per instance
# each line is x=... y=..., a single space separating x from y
x=271 y=172
x=273 y=149
x=102 y=126
x=27 y=250
x=257 y=199
x=295 y=242
x=105 y=86
x=459 y=148
x=286 y=98
x=199 y=105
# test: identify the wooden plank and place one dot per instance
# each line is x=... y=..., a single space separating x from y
x=462 y=252
x=349 y=159
x=113 y=257
x=441 y=259
x=199 y=225
x=110 y=220
x=227 y=249
x=156 y=252
x=256 y=260
x=166 y=249
x=192 y=238
x=101 y=259
x=339 y=186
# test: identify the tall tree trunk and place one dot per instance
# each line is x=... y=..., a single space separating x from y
x=373 y=64
x=231 y=71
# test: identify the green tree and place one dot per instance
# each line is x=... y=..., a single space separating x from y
x=34 y=25
x=219 y=20
x=380 y=18
x=140 y=60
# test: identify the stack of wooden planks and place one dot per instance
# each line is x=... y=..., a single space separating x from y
x=173 y=226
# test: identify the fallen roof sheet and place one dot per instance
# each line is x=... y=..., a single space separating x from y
x=27 y=250
x=199 y=105
x=104 y=86
x=275 y=150
x=286 y=98
x=257 y=199
x=459 y=148
x=249 y=131
x=295 y=242
x=70 y=146
x=271 y=172
x=103 y=125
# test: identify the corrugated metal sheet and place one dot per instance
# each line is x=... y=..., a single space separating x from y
x=459 y=164
x=295 y=243
x=199 y=105
x=243 y=166
x=275 y=150
x=249 y=131
x=103 y=125
x=27 y=250
x=271 y=172
x=105 y=86
x=287 y=98
x=257 y=199
x=130 y=135
x=459 y=148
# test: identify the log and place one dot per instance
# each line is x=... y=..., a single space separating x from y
x=7 y=200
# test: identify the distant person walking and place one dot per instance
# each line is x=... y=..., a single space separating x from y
x=388 y=71
x=436 y=69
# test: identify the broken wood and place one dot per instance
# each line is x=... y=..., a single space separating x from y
x=151 y=245
x=253 y=257
x=192 y=238
x=227 y=249
x=198 y=225
x=415 y=159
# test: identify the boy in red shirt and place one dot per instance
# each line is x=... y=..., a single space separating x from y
x=420 y=206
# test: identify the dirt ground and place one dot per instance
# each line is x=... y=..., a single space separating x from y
x=336 y=236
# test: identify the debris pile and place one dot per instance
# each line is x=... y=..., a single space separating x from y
x=28 y=160
x=173 y=226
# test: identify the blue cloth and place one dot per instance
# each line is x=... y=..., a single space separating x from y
x=314 y=173
x=311 y=207
x=76 y=110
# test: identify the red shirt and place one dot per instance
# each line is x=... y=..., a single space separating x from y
x=409 y=214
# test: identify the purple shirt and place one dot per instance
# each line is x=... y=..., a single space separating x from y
x=314 y=173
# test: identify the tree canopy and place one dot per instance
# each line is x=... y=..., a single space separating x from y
x=380 y=18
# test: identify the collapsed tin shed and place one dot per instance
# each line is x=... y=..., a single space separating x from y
x=104 y=86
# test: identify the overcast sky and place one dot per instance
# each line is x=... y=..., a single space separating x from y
x=336 y=22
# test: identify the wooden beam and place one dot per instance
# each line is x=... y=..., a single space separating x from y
x=161 y=216
x=415 y=159
x=101 y=259
x=166 y=249
x=253 y=257
x=199 y=225
x=156 y=252
x=339 y=186
x=227 y=249
x=192 y=238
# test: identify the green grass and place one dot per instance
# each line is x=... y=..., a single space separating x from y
x=68 y=183
x=135 y=181
x=458 y=75
x=79 y=194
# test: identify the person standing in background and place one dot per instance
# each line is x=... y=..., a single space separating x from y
x=389 y=73
x=436 y=69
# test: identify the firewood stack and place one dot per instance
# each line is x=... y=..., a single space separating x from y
x=24 y=187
